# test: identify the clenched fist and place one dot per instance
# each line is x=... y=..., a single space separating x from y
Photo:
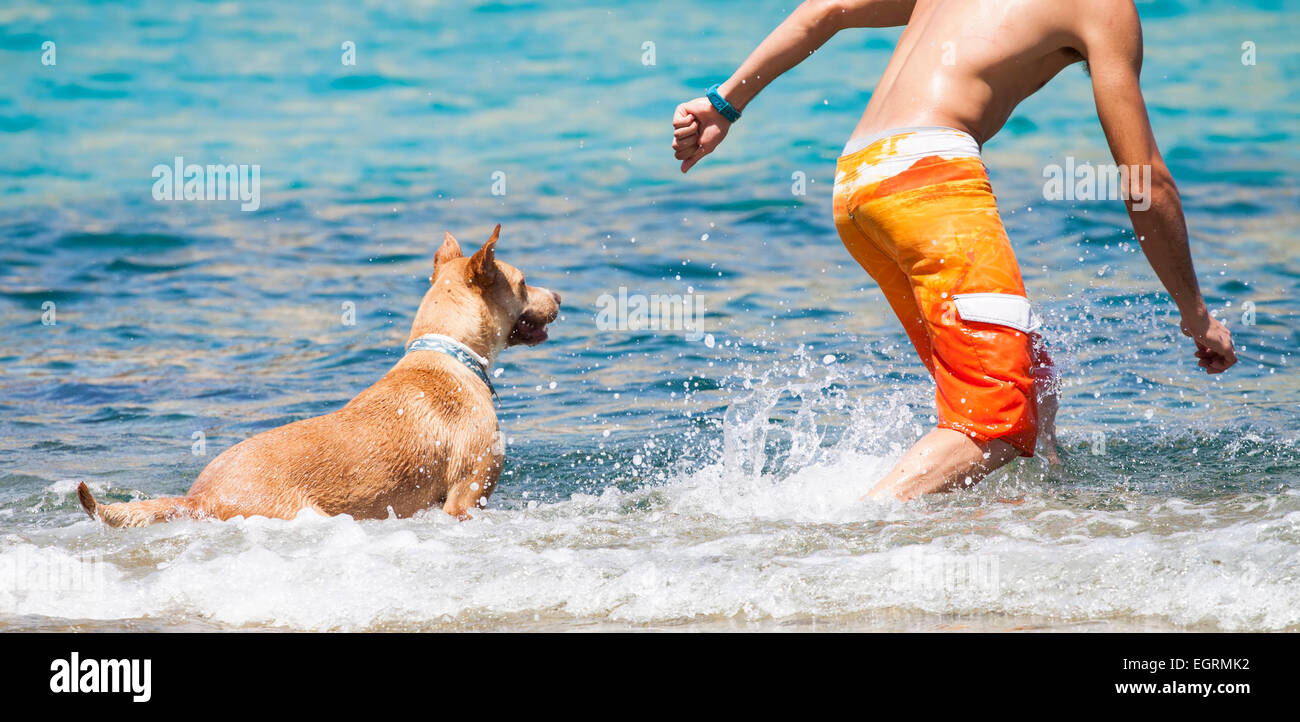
x=698 y=128
x=1213 y=343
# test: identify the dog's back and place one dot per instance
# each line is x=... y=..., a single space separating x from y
x=422 y=436
x=398 y=447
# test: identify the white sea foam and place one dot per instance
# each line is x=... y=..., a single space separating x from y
x=759 y=535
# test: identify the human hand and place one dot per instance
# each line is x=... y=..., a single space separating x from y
x=1213 y=342
x=698 y=128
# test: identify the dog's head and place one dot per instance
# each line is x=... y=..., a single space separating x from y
x=483 y=302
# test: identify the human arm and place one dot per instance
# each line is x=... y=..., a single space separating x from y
x=698 y=127
x=1114 y=52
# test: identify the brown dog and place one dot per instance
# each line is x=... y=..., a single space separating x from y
x=425 y=434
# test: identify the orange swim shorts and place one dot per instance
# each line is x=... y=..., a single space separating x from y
x=915 y=208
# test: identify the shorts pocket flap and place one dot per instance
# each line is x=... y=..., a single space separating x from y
x=1004 y=309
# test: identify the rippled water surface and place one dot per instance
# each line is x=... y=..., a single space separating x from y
x=653 y=480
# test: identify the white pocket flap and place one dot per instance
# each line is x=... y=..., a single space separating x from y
x=1004 y=309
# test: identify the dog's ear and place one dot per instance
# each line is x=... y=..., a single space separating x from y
x=449 y=250
x=483 y=265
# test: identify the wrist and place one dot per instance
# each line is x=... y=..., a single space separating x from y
x=722 y=106
x=1195 y=314
x=736 y=93
x=1194 y=306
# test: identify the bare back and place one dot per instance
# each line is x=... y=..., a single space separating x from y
x=967 y=64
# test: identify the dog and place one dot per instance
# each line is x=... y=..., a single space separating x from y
x=424 y=435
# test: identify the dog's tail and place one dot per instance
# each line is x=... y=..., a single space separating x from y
x=135 y=513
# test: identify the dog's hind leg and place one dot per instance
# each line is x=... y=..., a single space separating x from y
x=472 y=491
x=137 y=513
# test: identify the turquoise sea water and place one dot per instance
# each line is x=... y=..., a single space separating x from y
x=653 y=480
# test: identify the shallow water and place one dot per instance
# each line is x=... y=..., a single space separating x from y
x=653 y=481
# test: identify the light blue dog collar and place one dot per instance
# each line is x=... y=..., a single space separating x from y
x=459 y=351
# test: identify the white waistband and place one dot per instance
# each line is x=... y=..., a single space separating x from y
x=922 y=141
x=915 y=144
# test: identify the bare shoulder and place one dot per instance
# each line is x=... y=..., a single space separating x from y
x=1109 y=27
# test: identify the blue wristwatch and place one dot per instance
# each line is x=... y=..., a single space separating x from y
x=722 y=105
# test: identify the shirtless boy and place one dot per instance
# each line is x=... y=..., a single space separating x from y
x=913 y=203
